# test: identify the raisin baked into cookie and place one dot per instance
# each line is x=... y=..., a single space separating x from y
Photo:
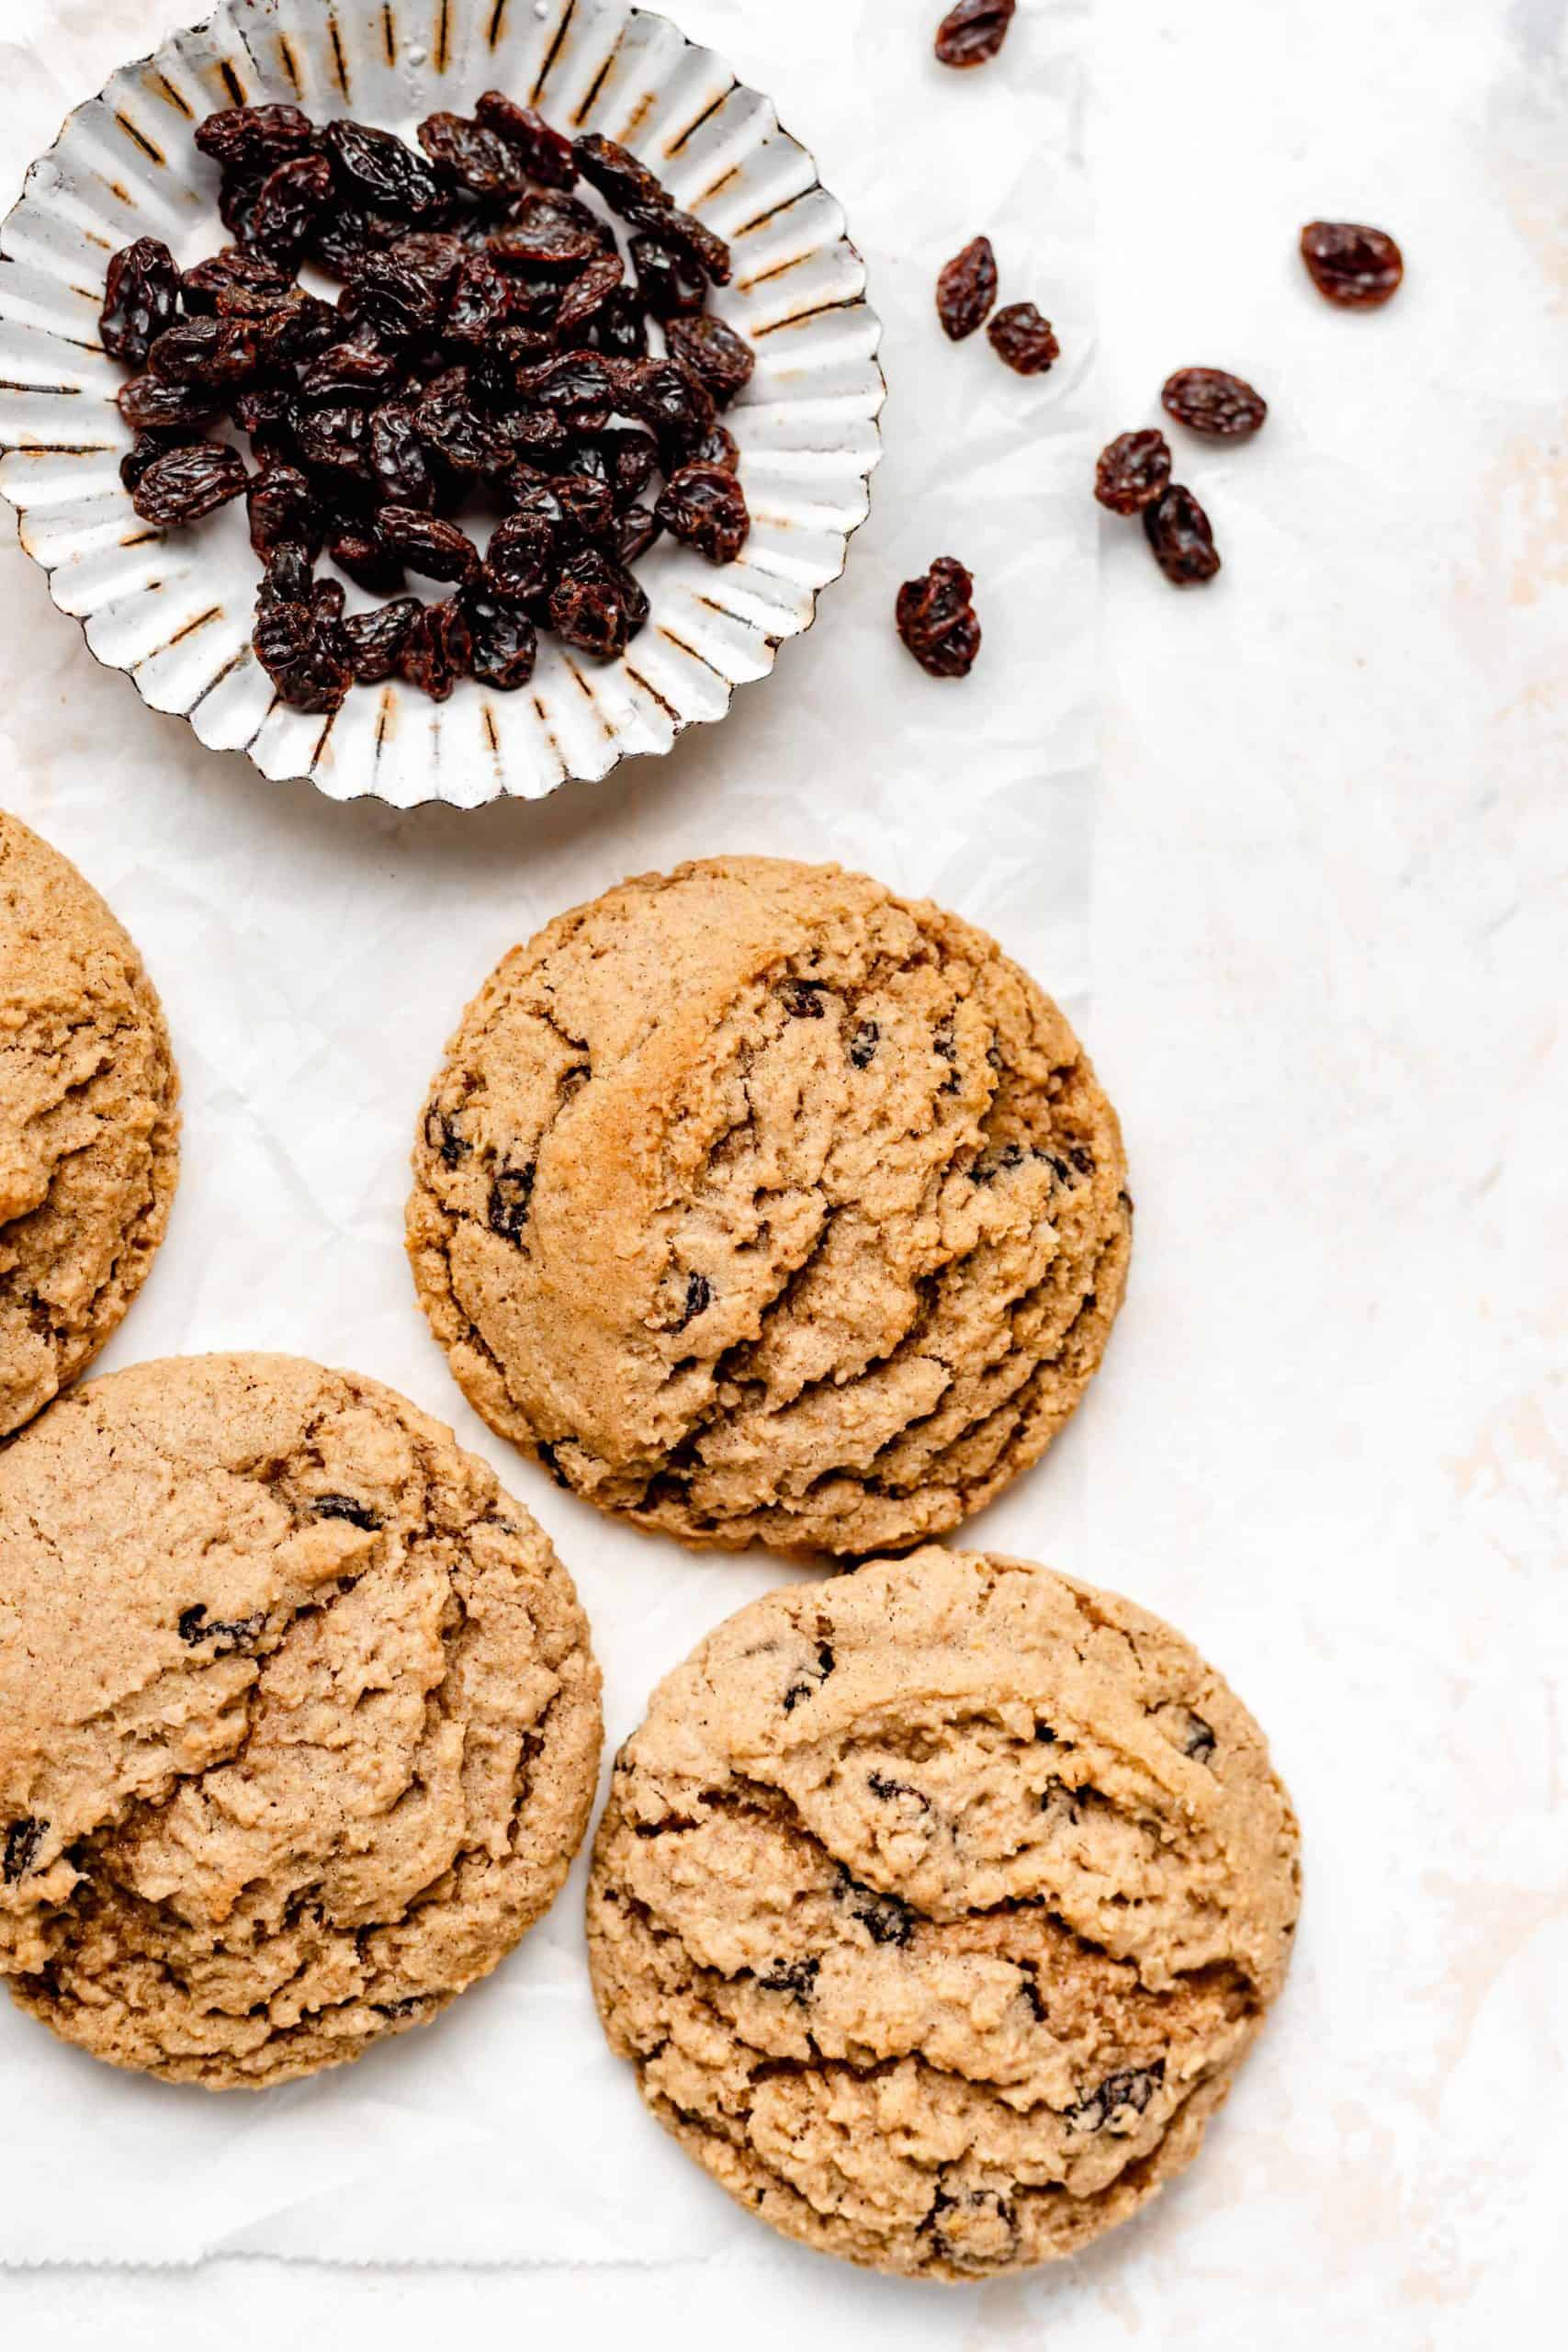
x=299 y=1719
x=936 y=1908
x=89 y=1131
x=763 y=1203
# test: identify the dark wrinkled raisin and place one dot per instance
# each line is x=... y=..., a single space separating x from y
x=228 y=1634
x=399 y=463
x=705 y=244
x=966 y=289
x=632 y=533
x=293 y=328
x=550 y=232
x=186 y=484
x=344 y=238
x=699 y=1298
x=1357 y=267
x=243 y=139
x=379 y=170
x=213 y=353
x=506 y=642
x=619 y=326
x=391 y=300
x=864 y=1043
x=345 y=1507
x=23 y=1839
x=474 y=157
x=1181 y=536
x=937 y=619
x=147 y=449
x=1132 y=471
x=477 y=303
x=717 y=447
x=804 y=999
x=438 y=550
x=796 y=1977
x=374 y=643
x=546 y=157
x=270 y=414
x=439 y=650
x=619 y=177
x=676 y=403
x=1201 y=1741
x=332 y=434
x=587 y=291
x=359 y=549
x=670 y=281
x=441 y=1133
x=287 y=206
x=510 y=1196
x=433 y=255
x=232 y=271
x=451 y=426
x=287 y=578
x=284 y=508
x=704 y=507
x=596 y=605
x=884 y=1917
x=1133 y=2087
x=1208 y=401
x=714 y=353
x=353 y=370
x=631 y=458
x=140 y=301
x=299 y=647
x=809 y=1687
x=971 y=33
x=148 y=403
x=522 y=562
x=1026 y=341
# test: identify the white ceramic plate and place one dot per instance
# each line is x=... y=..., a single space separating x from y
x=175 y=611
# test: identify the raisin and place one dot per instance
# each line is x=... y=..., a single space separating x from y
x=395 y=302
x=432 y=255
x=620 y=178
x=374 y=641
x=1133 y=2087
x=619 y=326
x=299 y=647
x=348 y=236
x=676 y=403
x=1207 y=401
x=632 y=533
x=477 y=304
x=450 y=424
x=1026 y=341
x=348 y=371
x=576 y=379
x=1357 y=267
x=284 y=509
x=966 y=289
x=550 y=232
x=863 y=1045
x=803 y=999
x=718 y=447
x=232 y=1633
x=522 y=562
x=546 y=157
x=379 y=170
x=797 y=1978
x=287 y=578
x=699 y=1298
x=633 y=457
x=471 y=155
x=345 y=1507
x=287 y=207
x=1201 y=1741
x=705 y=244
x=233 y=271
x=141 y=300
x=186 y=484
x=937 y=620
x=237 y=202
x=587 y=291
x=269 y=414
x=359 y=549
x=441 y=1135
x=332 y=435
x=506 y=642
x=887 y=1791
x=714 y=353
x=510 y=1196
x=23 y=1839
x=145 y=451
x=596 y=605
x=439 y=650
x=215 y=354
x=1132 y=471
x=1181 y=536
x=670 y=279
x=884 y=1917
x=247 y=139
x=971 y=33
x=437 y=550
x=704 y=507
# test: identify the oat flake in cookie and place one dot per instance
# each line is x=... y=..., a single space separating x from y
x=764 y=1204
x=299 y=1719
x=89 y=1128
x=936 y=1908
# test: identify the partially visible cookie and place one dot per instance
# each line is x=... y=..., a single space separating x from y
x=89 y=1132
x=937 y=1906
x=764 y=1204
x=299 y=1719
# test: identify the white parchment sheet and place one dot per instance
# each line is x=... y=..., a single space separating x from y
x=312 y=959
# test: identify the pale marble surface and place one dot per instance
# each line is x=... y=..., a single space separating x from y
x=1327 y=966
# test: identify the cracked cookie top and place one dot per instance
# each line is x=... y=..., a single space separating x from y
x=299 y=1719
x=936 y=1906
x=89 y=1132
x=764 y=1204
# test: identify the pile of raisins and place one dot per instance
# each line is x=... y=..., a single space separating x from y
x=491 y=344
